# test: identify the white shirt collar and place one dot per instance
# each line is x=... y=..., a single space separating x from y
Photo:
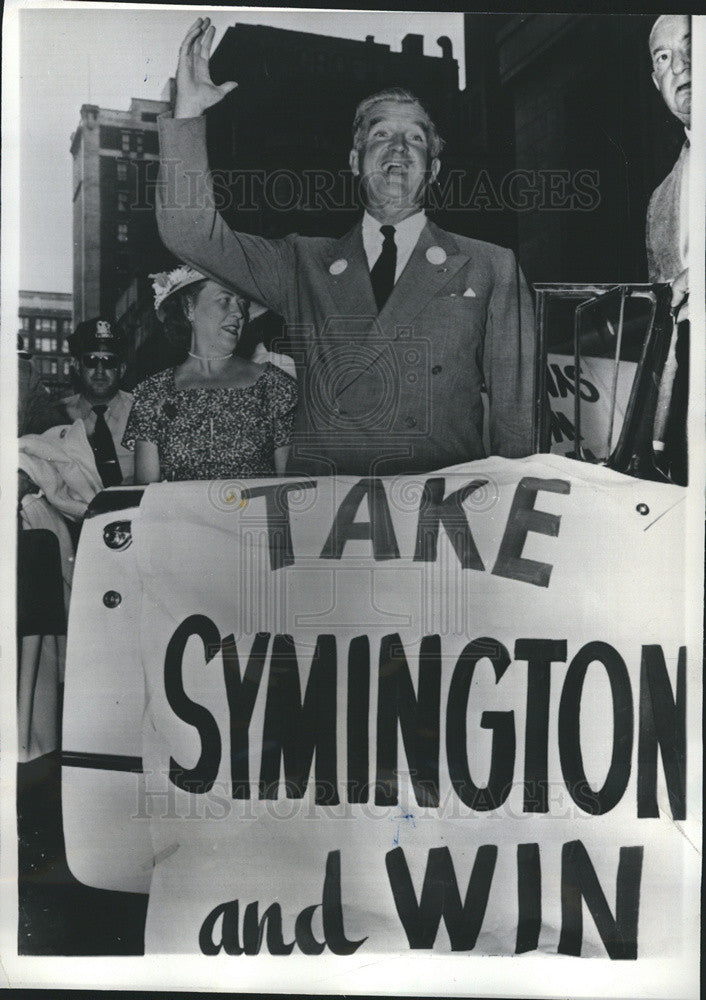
x=407 y=235
x=406 y=231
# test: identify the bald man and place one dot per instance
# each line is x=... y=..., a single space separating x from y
x=667 y=237
x=667 y=215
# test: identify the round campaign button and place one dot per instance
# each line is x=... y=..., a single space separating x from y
x=436 y=255
x=338 y=266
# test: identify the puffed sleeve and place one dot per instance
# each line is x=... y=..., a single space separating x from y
x=283 y=402
x=144 y=422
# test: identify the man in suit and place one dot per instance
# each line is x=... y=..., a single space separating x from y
x=667 y=239
x=397 y=326
x=101 y=404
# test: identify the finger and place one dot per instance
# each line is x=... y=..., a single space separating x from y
x=191 y=35
x=207 y=40
x=225 y=88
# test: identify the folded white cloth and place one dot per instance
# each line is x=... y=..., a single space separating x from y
x=283 y=361
x=60 y=461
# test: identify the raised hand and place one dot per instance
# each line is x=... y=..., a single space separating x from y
x=195 y=90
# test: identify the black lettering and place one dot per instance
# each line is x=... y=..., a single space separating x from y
x=279 y=530
x=418 y=720
x=440 y=897
x=201 y=778
x=379 y=529
x=293 y=730
x=663 y=725
x=561 y=427
x=522 y=519
x=241 y=696
x=579 y=882
x=502 y=760
x=357 y=724
x=597 y=802
x=564 y=385
x=433 y=510
x=230 y=941
x=540 y=654
x=529 y=898
x=587 y=390
x=304 y=932
x=254 y=930
x=332 y=909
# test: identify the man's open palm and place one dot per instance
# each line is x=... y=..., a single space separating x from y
x=195 y=90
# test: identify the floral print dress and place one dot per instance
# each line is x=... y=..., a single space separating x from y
x=214 y=433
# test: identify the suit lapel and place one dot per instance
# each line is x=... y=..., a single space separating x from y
x=422 y=278
x=347 y=276
x=420 y=281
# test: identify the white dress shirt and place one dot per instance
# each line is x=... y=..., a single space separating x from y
x=407 y=234
x=78 y=408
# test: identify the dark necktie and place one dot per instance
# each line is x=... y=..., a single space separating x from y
x=104 y=450
x=382 y=276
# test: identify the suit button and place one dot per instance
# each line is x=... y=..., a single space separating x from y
x=410 y=422
x=436 y=369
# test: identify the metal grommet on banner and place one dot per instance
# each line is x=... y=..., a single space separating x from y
x=111 y=598
x=643 y=509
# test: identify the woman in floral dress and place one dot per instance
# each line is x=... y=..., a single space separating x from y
x=216 y=415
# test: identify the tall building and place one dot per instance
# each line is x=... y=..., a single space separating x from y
x=115 y=161
x=279 y=143
x=44 y=324
x=570 y=111
x=282 y=137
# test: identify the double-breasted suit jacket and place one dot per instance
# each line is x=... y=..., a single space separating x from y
x=379 y=394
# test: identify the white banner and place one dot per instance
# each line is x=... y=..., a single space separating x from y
x=442 y=713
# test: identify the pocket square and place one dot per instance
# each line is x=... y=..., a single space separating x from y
x=469 y=293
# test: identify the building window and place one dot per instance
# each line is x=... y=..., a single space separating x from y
x=122 y=232
x=25 y=322
x=122 y=201
x=138 y=141
x=52 y=326
x=66 y=327
x=148 y=116
x=67 y=367
x=45 y=344
x=44 y=325
x=122 y=171
x=65 y=347
x=52 y=368
x=126 y=142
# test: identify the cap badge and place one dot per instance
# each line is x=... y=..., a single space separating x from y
x=103 y=330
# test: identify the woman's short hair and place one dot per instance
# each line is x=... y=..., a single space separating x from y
x=363 y=114
x=176 y=322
